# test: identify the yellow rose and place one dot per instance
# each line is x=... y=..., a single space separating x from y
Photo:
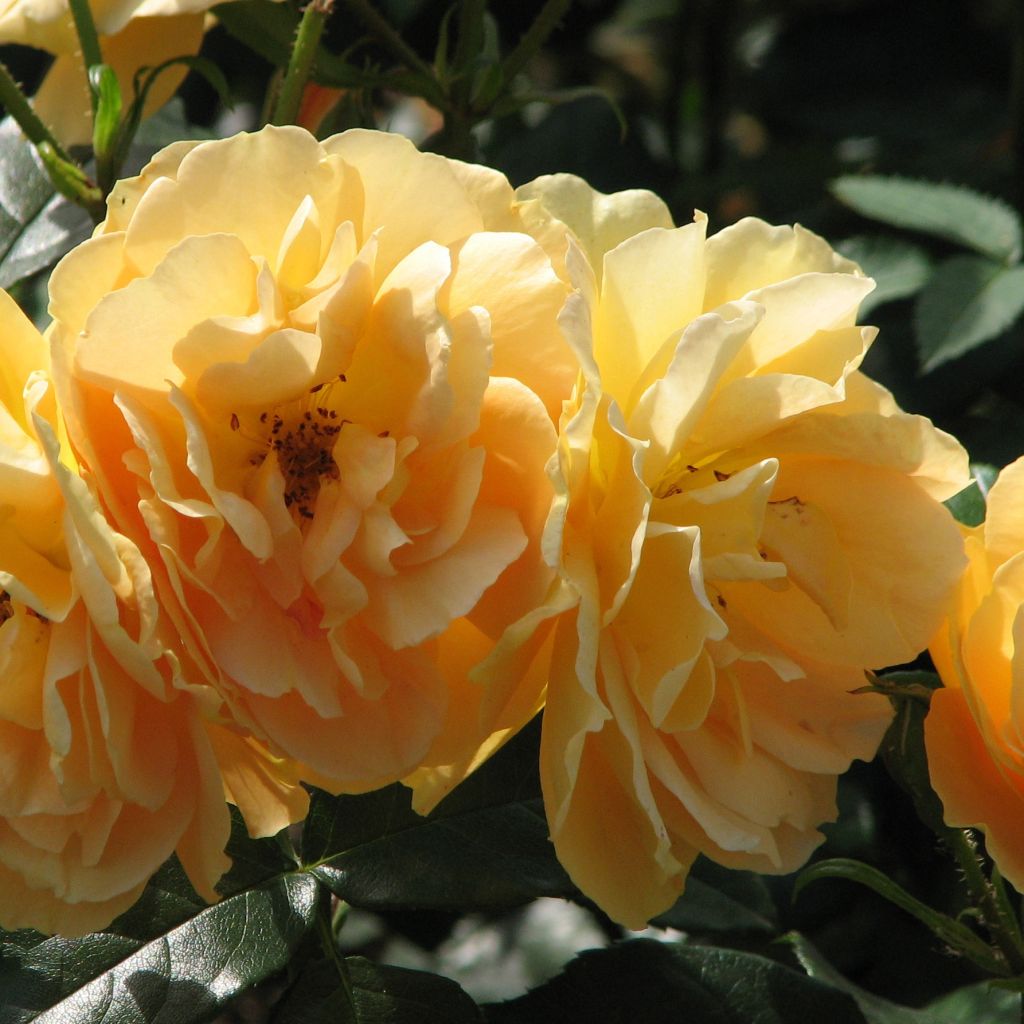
x=108 y=763
x=318 y=383
x=133 y=35
x=744 y=524
x=972 y=732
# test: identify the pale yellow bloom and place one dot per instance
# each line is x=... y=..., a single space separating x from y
x=974 y=732
x=744 y=524
x=108 y=756
x=133 y=35
x=318 y=384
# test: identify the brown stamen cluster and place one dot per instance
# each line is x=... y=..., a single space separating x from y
x=305 y=453
x=6 y=611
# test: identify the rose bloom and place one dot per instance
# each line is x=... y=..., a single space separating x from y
x=133 y=35
x=744 y=524
x=974 y=727
x=110 y=759
x=318 y=385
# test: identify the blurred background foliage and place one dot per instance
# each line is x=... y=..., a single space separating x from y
x=735 y=107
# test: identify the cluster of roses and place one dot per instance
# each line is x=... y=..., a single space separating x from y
x=339 y=461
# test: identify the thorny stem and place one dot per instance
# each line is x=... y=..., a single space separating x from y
x=300 y=65
x=1004 y=931
x=15 y=103
x=87 y=37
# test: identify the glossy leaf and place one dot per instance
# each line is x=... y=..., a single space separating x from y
x=663 y=983
x=875 y=1009
x=899 y=268
x=373 y=994
x=968 y=300
x=968 y=506
x=37 y=226
x=977 y=1004
x=718 y=901
x=986 y=225
x=485 y=845
x=191 y=959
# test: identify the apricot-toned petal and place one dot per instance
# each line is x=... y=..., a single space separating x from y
x=22 y=350
x=987 y=648
x=814 y=723
x=76 y=286
x=270 y=171
x=860 y=428
x=519 y=438
x=62 y=101
x=131 y=334
x=395 y=179
x=621 y=519
x=628 y=870
x=600 y=222
x=802 y=537
x=371 y=740
x=281 y=367
x=511 y=273
x=902 y=566
x=263 y=787
x=747 y=408
x=729 y=514
x=669 y=408
x=491 y=193
x=27 y=907
x=469 y=735
x=664 y=625
x=1004 y=515
x=751 y=254
x=416 y=604
x=46 y=25
x=973 y=790
x=653 y=285
x=201 y=846
x=797 y=309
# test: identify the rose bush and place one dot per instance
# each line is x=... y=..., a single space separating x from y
x=110 y=754
x=141 y=33
x=973 y=728
x=744 y=524
x=317 y=384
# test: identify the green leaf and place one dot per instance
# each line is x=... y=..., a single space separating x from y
x=899 y=268
x=253 y=861
x=986 y=225
x=977 y=1004
x=875 y=1009
x=968 y=506
x=718 y=901
x=264 y=26
x=947 y=930
x=661 y=983
x=902 y=749
x=183 y=974
x=37 y=226
x=381 y=995
x=969 y=300
x=485 y=845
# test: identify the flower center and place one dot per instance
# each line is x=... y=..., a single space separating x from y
x=302 y=435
